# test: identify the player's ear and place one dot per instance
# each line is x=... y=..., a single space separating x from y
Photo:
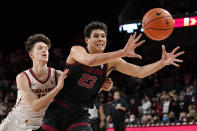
x=86 y=40
x=31 y=55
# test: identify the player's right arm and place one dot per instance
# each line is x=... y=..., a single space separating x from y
x=32 y=99
x=79 y=54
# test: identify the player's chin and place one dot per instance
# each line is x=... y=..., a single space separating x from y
x=100 y=50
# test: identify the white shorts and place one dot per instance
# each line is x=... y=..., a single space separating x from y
x=13 y=123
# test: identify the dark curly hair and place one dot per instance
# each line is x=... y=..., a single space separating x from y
x=94 y=25
x=29 y=44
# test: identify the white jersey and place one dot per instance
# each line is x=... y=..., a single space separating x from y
x=22 y=116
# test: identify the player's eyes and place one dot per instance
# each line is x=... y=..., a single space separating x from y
x=96 y=36
x=40 y=48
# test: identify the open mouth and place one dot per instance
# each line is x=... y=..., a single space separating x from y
x=99 y=45
x=44 y=55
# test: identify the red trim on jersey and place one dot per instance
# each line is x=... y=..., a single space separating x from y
x=78 y=124
x=60 y=103
x=48 y=128
x=28 y=78
x=42 y=82
x=19 y=100
x=55 y=76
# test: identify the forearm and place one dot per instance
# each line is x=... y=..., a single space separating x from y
x=102 y=58
x=150 y=69
x=38 y=104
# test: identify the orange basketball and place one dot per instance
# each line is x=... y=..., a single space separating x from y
x=158 y=24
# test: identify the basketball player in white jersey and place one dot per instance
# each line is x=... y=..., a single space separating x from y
x=37 y=87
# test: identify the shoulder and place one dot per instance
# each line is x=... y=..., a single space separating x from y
x=21 y=76
x=77 y=48
x=59 y=72
x=22 y=80
x=56 y=70
x=75 y=53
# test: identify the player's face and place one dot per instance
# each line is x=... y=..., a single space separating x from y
x=40 y=52
x=97 y=41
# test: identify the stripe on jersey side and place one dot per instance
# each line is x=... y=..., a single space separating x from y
x=28 y=78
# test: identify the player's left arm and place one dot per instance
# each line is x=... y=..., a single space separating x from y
x=143 y=71
x=135 y=70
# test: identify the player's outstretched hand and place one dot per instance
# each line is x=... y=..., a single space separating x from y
x=107 y=85
x=133 y=42
x=61 y=78
x=171 y=58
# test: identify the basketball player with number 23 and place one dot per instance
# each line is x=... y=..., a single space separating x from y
x=88 y=68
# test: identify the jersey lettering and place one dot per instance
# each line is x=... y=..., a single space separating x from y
x=83 y=81
x=40 y=95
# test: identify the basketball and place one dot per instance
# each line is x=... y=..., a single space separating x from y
x=158 y=24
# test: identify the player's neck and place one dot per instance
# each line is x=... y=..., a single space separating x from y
x=89 y=50
x=39 y=68
x=92 y=51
